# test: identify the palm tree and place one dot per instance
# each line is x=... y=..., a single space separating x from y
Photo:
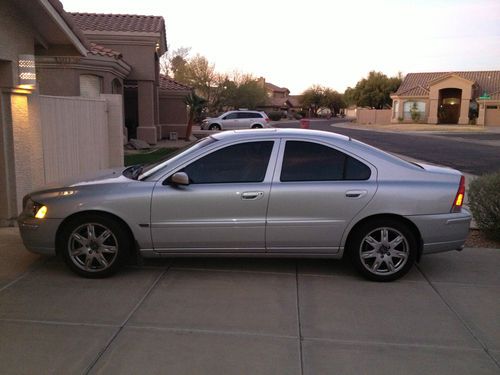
x=195 y=105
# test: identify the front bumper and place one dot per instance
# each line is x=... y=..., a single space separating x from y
x=39 y=235
x=443 y=232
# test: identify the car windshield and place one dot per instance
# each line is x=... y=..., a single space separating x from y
x=149 y=170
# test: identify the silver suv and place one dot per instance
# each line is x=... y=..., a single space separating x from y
x=241 y=119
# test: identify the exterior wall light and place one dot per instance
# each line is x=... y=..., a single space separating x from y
x=27 y=72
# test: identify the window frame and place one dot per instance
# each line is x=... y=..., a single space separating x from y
x=165 y=180
x=281 y=157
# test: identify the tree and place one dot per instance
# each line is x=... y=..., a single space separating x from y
x=172 y=60
x=373 y=91
x=195 y=105
x=317 y=97
x=333 y=100
x=313 y=99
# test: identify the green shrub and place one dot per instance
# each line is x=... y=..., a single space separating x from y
x=415 y=113
x=275 y=115
x=401 y=119
x=297 y=116
x=484 y=202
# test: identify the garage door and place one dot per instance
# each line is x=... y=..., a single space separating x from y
x=492 y=116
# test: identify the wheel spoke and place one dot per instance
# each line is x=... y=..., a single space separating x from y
x=80 y=239
x=395 y=242
x=102 y=261
x=399 y=254
x=390 y=264
x=88 y=261
x=369 y=254
x=376 y=265
x=104 y=236
x=78 y=252
x=384 y=236
x=91 y=231
x=372 y=242
x=106 y=249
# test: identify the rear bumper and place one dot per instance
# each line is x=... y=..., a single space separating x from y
x=39 y=235
x=442 y=232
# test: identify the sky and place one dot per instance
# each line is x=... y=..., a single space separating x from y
x=296 y=44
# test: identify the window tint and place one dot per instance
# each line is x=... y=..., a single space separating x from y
x=307 y=161
x=230 y=116
x=244 y=162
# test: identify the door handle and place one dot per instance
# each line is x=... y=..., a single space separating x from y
x=355 y=193
x=252 y=195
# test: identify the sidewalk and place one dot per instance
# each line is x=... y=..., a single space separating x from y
x=249 y=316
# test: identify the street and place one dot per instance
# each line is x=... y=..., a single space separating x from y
x=473 y=153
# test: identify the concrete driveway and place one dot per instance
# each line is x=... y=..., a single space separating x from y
x=240 y=316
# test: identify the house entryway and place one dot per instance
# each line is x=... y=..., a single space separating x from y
x=449 y=106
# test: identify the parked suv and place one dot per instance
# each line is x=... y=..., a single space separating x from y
x=237 y=120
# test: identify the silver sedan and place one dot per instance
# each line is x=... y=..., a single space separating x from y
x=269 y=193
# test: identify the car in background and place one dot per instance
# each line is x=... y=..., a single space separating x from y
x=240 y=119
x=269 y=193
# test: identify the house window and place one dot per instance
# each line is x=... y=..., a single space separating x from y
x=90 y=86
x=395 y=109
x=116 y=87
x=407 y=107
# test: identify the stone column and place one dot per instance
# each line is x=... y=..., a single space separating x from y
x=146 y=111
x=433 y=111
x=464 y=112
x=481 y=114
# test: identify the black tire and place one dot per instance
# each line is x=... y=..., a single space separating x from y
x=383 y=259
x=214 y=127
x=98 y=255
x=256 y=126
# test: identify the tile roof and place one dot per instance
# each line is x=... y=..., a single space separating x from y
x=167 y=83
x=272 y=87
x=486 y=81
x=96 y=49
x=57 y=5
x=119 y=22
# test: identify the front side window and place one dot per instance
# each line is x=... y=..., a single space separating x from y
x=230 y=116
x=307 y=161
x=243 y=162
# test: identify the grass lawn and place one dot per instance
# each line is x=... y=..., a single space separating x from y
x=147 y=156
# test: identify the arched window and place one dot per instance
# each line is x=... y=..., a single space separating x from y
x=116 y=87
x=90 y=86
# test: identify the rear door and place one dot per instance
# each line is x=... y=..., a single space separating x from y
x=316 y=192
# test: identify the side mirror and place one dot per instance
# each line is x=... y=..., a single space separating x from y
x=180 y=178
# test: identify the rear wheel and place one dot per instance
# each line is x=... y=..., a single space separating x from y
x=94 y=246
x=256 y=126
x=383 y=250
x=214 y=127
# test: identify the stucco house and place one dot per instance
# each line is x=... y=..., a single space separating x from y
x=449 y=98
x=123 y=58
x=279 y=98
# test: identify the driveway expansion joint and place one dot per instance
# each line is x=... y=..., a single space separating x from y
x=462 y=320
x=299 y=327
x=120 y=328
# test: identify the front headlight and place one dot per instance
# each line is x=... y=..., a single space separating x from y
x=35 y=209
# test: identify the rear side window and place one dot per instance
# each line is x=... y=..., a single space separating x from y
x=308 y=161
x=249 y=115
x=244 y=162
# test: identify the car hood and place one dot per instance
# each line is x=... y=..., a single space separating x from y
x=104 y=176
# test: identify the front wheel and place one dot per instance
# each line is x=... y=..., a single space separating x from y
x=214 y=127
x=94 y=246
x=383 y=250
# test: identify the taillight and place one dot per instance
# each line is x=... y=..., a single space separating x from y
x=459 y=198
x=268 y=119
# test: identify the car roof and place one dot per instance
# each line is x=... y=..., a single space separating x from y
x=276 y=133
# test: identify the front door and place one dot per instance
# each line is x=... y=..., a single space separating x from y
x=315 y=194
x=223 y=209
